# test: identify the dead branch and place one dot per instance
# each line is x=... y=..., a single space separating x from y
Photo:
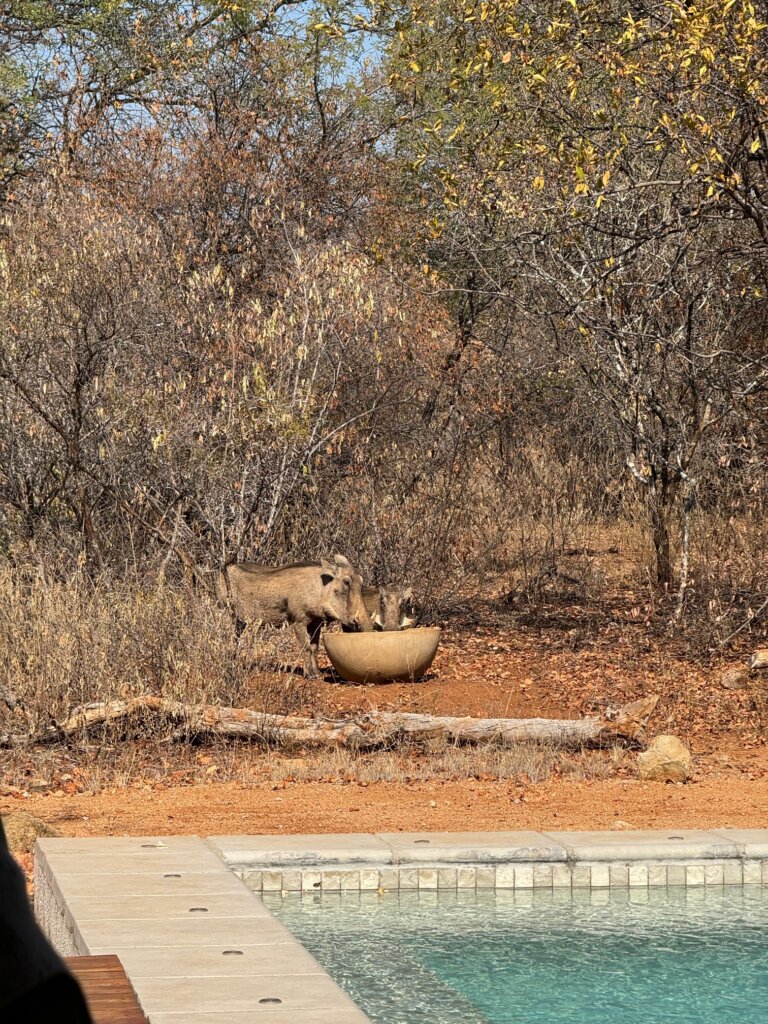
x=375 y=730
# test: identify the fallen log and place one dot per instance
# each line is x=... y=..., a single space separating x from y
x=367 y=732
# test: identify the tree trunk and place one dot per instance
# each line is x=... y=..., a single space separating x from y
x=368 y=732
x=660 y=517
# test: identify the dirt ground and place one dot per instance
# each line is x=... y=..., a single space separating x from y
x=569 y=664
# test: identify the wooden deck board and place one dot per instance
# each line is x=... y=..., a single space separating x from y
x=107 y=990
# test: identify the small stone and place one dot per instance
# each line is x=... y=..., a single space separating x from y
x=734 y=678
x=666 y=760
x=622 y=826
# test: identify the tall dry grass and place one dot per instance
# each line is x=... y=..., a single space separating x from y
x=69 y=642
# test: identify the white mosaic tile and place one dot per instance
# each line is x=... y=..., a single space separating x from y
x=271 y=881
x=447 y=878
x=619 y=875
x=600 y=875
x=505 y=876
x=638 y=874
x=713 y=874
x=523 y=876
x=694 y=874
x=409 y=878
x=389 y=879
x=369 y=879
x=561 y=876
x=753 y=872
x=542 y=876
x=331 y=881
x=427 y=878
x=466 y=878
x=252 y=879
x=311 y=881
x=291 y=881
x=485 y=877
x=657 y=874
x=732 y=873
x=581 y=876
x=676 y=874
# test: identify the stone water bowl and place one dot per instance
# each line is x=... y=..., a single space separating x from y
x=380 y=657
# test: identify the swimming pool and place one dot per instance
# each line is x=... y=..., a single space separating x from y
x=636 y=956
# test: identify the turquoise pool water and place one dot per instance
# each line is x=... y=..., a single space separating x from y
x=654 y=956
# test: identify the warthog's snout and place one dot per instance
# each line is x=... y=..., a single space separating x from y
x=390 y=608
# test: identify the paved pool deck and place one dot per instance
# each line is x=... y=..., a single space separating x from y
x=200 y=947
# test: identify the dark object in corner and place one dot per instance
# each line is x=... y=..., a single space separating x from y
x=34 y=983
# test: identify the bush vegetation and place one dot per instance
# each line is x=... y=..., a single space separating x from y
x=451 y=287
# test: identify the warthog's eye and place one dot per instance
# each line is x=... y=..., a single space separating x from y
x=347 y=583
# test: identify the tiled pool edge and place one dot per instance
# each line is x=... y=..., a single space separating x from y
x=137 y=896
x=531 y=860
x=595 y=875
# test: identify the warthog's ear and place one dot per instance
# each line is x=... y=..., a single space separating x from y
x=327 y=571
x=341 y=562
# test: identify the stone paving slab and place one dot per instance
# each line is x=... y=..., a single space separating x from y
x=217 y=995
x=472 y=847
x=751 y=842
x=178 y=933
x=657 y=845
x=122 y=844
x=102 y=862
x=145 y=883
x=209 y=907
x=267 y=1015
x=257 y=851
x=286 y=958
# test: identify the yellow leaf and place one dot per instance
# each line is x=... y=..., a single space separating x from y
x=507 y=57
x=755 y=146
x=538 y=182
x=415 y=67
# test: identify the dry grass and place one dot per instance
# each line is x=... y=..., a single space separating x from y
x=527 y=762
x=67 y=644
x=71 y=643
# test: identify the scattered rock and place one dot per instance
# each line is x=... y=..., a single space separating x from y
x=623 y=826
x=759 y=659
x=667 y=759
x=735 y=678
x=21 y=831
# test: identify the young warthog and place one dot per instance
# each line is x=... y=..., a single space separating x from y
x=305 y=594
x=389 y=607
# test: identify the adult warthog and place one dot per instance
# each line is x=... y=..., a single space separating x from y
x=306 y=594
x=390 y=608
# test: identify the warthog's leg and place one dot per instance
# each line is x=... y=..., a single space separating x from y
x=308 y=635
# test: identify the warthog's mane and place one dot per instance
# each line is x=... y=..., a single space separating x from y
x=268 y=570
